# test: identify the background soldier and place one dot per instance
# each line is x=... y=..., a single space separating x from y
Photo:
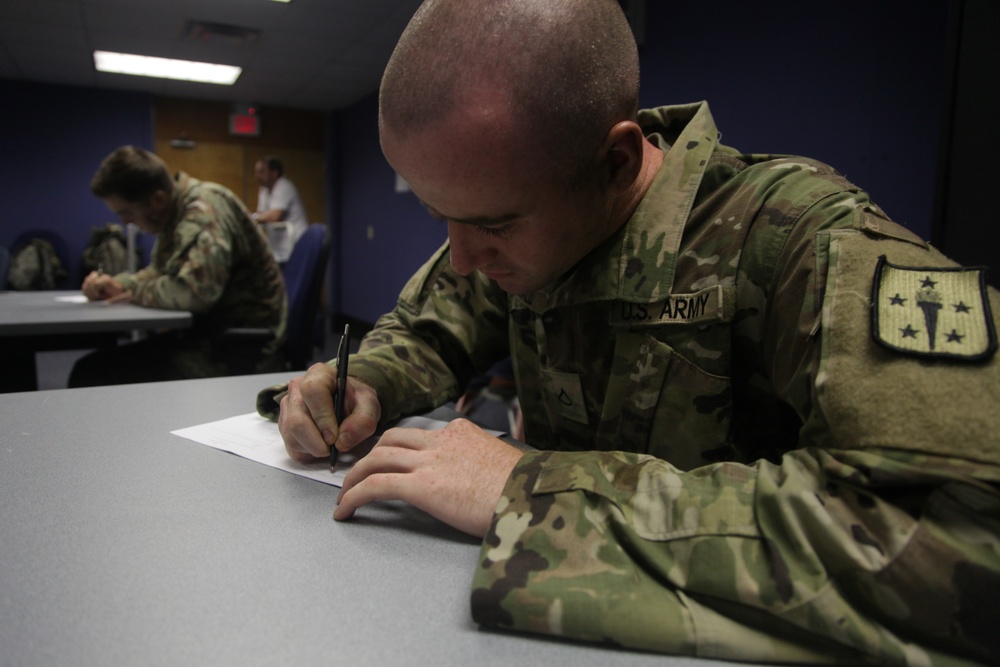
x=209 y=258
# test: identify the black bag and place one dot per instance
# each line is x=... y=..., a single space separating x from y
x=35 y=266
x=107 y=250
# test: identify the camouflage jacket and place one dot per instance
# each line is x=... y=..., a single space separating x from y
x=761 y=436
x=214 y=261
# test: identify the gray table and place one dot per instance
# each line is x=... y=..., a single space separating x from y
x=31 y=322
x=125 y=545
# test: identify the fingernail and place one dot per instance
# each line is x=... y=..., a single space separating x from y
x=328 y=437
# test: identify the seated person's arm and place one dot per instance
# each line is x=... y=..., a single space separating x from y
x=194 y=277
x=273 y=215
x=98 y=286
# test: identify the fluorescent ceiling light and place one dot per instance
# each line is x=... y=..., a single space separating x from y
x=165 y=68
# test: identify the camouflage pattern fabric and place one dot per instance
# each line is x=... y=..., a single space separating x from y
x=214 y=261
x=35 y=266
x=731 y=465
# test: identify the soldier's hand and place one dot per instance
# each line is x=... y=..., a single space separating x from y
x=456 y=474
x=98 y=286
x=121 y=297
x=307 y=421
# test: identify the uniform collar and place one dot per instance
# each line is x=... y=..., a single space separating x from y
x=637 y=263
x=182 y=184
x=181 y=201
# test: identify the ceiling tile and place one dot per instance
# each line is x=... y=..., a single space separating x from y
x=314 y=54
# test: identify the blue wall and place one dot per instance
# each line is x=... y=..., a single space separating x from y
x=859 y=84
x=52 y=140
x=404 y=236
x=852 y=84
x=855 y=86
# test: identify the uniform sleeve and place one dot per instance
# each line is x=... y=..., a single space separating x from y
x=129 y=280
x=872 y=542
x=444 y=329
x=802 y=561
x=195 y=275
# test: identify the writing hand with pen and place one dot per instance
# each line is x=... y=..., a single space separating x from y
x=456 y=474
x=98 y=286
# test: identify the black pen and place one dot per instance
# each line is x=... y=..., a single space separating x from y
x=338 y=398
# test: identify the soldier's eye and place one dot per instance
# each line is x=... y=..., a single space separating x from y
x=494 y=231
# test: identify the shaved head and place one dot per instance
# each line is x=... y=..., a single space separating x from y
x=561 y=72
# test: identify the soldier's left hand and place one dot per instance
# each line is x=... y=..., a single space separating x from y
x=456 y=474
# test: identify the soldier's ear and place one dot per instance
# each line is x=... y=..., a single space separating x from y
x=621 y=155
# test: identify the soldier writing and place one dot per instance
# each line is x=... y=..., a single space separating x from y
x=738 y=454
x=209 y=258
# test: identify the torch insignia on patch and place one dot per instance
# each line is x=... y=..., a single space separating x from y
x=933 y=312
x=929 y=301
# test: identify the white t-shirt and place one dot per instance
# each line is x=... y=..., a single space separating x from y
x=284 y=196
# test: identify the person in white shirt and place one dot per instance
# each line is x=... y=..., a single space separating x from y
x=278 y=202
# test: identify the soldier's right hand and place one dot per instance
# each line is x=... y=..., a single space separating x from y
x=98 y=286
x=307 y=420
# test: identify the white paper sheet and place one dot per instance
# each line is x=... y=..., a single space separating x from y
x=75 y=298
x=255 y=438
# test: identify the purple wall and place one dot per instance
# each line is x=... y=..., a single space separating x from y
x=858 y=84
x=52 y=141
x=850 y=84
x=856 y=87
x=372 y=272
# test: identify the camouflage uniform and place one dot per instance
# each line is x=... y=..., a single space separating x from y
x=735 y=462
x=214 y=261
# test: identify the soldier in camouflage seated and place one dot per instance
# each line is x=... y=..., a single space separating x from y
x=766 y=416
x=209 y=258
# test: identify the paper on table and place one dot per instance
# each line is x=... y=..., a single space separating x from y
x=74 y=298
x=255 y=438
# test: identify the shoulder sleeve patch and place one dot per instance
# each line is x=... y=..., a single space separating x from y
x=933 y=312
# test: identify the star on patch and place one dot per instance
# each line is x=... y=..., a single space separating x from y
x=933 y=312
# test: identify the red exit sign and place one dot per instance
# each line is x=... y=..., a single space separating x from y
x=244 y=125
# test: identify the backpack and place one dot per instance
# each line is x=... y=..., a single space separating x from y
x=35 y=266
x=107 y=250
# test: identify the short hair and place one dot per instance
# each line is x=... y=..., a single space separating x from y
x=131 y=173
x=569 y=67
x=273 y=164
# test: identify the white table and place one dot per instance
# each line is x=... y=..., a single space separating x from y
x=31 y=322
x=125 y=545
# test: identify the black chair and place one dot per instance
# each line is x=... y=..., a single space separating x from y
x=303 y=273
